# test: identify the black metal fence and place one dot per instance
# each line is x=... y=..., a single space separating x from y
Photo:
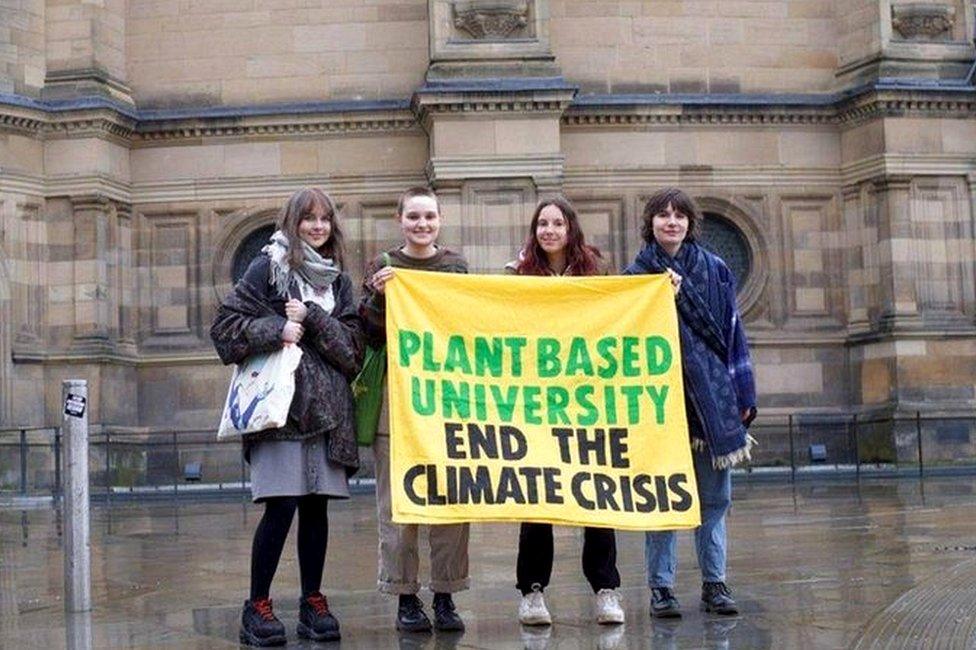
x=126 y=463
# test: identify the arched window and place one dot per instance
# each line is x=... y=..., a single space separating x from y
x=249 y=249
x=723 y=238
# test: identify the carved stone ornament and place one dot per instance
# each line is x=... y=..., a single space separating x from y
x=491 y=19
x=923 y=21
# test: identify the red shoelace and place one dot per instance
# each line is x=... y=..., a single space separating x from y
x=318 y=602
x=263 y=608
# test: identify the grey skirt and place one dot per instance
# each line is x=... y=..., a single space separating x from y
x=294 y=468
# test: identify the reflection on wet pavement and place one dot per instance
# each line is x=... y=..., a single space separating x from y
x=876 y=564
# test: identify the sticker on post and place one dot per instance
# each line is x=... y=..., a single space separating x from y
x=74 y=405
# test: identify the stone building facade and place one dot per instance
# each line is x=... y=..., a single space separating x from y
x=833 y=142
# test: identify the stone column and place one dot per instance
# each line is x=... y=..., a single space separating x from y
x=86 y=49
x=898 y=298
x=491 y=106
x=92 y=299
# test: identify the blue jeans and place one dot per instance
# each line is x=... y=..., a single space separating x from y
x=715 y=497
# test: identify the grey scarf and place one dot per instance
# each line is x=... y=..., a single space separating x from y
x=317 y=271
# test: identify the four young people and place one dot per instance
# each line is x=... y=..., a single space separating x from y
x=296 y=293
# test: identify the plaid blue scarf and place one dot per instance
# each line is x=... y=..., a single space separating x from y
x=718 y=379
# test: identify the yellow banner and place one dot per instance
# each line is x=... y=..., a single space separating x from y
x=537 y=399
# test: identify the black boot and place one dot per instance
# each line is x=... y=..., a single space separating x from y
x=663 y=603
x=717 y=599
x=445 y=618
x=315 y=621
x=259 y=626
x=411 y=616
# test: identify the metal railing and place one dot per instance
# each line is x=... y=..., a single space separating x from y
x=129 y=463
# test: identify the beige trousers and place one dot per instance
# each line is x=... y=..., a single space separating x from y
x=399 y=560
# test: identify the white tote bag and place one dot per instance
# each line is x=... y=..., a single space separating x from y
x=260 y=392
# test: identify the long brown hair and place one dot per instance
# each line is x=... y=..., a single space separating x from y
x=681 y=202
x=581 y=259
x=301 y=204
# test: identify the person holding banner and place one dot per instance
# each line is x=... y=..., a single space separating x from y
x=418 y=213
x=556 y=246
x=295 y=293
x=720 y=392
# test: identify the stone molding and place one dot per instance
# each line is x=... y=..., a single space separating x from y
x=107 y=120
x=497 y=19
x=543 y=168
x=923 y=21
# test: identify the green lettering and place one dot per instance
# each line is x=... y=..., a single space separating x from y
x=630 y=356
x=456 y=398
x=429 y=362
x=422 y=405
x=579 y=358
x=590 y=415
x=557 y=399
x=658 y=355
x=532 y=398
x=457 y=355
x=504 y=403
x=547 y=357
x=488 y=359
x=516 y=344
x=409 y=345
x=658 y=395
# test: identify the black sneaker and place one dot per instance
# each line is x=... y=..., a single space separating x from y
x=411 y=616
x=717 y=599
x=259 y=626
x=663 y=603
x=315 y=621
x=445 y=618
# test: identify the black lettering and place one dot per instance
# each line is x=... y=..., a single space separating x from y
x=482 y=441
x=554 y=487
x=642 y=488
x=596 y=446
x=452 y=440
x=408 y=480
x=433 y=497
x=563 y=435
x=475 y=487
x=662 y=494
x=509 y=487
x=676 y=483
x=618 y=448
x=577 y=488
x=531 y=475
x=605 y=488
x=513 y=443
x=626 y=495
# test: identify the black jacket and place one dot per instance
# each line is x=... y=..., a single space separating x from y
x=249 y=322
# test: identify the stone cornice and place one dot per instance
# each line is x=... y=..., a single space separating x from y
x=888 y=98
x=498 y=96
x=120 y=123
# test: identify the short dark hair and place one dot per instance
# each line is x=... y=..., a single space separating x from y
x=418 y=190
x=681 y=202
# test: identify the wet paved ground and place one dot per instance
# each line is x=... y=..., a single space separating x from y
x=883 y=564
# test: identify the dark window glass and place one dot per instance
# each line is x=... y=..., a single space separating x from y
x=721 y=237
x=249 y=249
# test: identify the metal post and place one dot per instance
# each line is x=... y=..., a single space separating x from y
x=176 y=484
x=56 y=490
x=857 y=447
x=108 y=469
x=792 y=458
x=77 y=507
x=23 y=462
x=918 y=433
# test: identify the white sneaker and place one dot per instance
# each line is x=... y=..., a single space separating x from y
x=608 y=609
x=533 y=610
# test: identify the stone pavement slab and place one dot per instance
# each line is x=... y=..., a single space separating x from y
x=881 y=563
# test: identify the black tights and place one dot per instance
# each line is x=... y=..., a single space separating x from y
x=269 y=540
